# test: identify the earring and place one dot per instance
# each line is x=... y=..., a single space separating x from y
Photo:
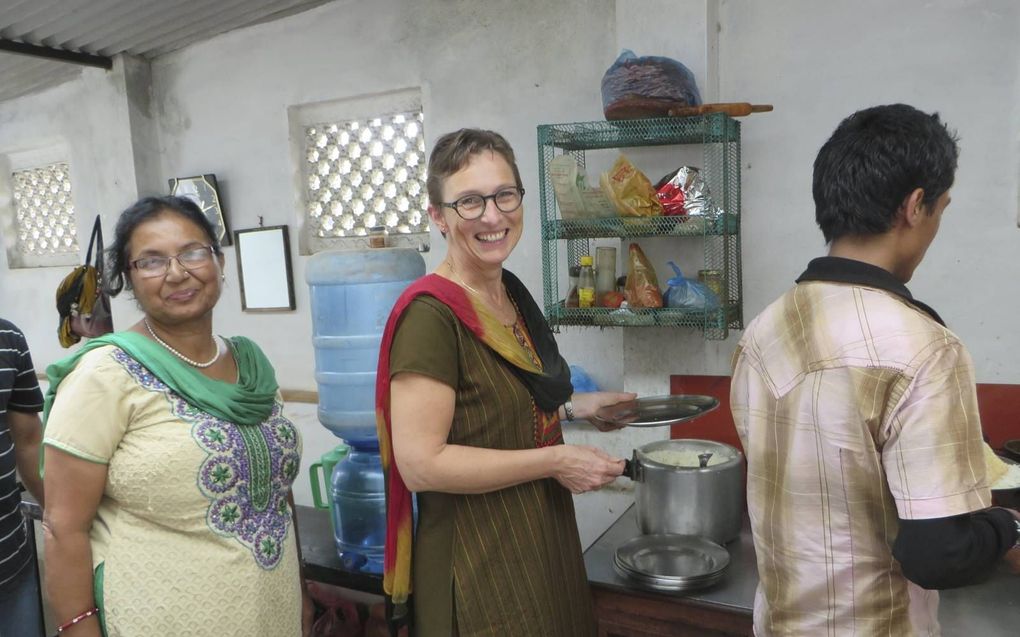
x=223 y=277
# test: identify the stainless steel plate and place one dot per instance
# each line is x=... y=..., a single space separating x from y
x=657 y=411
x=677 y=560
x=667 y=586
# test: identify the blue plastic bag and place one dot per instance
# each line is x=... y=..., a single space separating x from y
x=688 y=294
x=649 y=80
x=580 y=379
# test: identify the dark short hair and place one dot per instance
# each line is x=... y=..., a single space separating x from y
x=873 y=161
x=453 y=151
x=144 y=209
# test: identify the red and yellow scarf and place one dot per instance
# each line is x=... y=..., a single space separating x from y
x=548 y=383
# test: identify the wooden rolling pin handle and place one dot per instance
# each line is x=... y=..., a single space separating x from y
x=733 y=109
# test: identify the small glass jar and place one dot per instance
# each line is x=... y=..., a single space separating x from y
x=713 y=280
x=377 y=237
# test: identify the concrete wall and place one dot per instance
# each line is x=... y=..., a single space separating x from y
x=221 y=107
x=88 y=120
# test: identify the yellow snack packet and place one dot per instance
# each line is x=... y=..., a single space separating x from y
x=630 y=190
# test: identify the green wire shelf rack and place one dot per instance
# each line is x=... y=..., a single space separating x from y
x=718 y=234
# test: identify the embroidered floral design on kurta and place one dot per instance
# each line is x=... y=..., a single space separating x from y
x=247 y=473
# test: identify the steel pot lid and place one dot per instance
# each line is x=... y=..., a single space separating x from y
x=657 y=411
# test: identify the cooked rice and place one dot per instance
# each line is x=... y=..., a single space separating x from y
x=1011 y=480
x=684 y=459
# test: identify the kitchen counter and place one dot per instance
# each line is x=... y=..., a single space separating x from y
x=624 y=610
x=990 y=609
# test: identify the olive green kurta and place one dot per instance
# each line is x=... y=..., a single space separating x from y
x=501 y=563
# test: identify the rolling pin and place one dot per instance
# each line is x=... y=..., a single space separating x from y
x=733 y=109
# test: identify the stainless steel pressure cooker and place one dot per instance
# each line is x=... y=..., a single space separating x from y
x=689 y=487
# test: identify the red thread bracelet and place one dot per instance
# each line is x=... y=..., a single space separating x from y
x=81 y=616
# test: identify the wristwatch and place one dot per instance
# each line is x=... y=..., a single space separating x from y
x=1016 y=544
x=568 y=410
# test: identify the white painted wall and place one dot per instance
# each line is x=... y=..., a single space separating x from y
x=818 y=62
x=89 y=118
x=221 y=107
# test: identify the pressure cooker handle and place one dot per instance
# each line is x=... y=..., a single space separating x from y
x=632 y=468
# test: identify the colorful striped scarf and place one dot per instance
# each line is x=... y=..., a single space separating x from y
x=549 y=385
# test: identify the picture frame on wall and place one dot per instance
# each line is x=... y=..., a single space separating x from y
x=264 y=269
x=204 y=191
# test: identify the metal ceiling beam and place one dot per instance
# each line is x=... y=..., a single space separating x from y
x=59 y=55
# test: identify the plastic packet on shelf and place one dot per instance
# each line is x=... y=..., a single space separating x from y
x=630 y=190
x=597 y=204
x=646 y=86
x=622 y=317
x=573 y=196
x=642 y=288
x=565 y=177
x=684 y=192
x=688 y=294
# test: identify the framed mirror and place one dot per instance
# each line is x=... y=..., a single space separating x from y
x=264 y=270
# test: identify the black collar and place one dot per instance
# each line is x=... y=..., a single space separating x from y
x=841 y=270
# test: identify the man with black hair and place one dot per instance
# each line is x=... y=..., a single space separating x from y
x=20 y=435
x=857 y=407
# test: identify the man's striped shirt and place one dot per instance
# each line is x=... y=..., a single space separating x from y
x=19 y=391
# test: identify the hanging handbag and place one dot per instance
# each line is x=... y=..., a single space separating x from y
x=82 y=300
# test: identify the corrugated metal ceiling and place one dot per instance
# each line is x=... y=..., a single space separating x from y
x=146 y=28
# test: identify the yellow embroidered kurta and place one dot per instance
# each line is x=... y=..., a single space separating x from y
x=193 y=535
x=501 y=563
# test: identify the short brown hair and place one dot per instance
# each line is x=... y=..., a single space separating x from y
x=453 y=151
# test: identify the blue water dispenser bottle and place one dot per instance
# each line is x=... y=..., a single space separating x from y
x=352 y=293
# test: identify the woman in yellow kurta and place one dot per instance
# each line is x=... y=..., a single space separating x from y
x=471 y=390
x=168 y=460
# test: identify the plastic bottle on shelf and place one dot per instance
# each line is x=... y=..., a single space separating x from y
x=586 y=283
x=574 y=275
x=605 y=272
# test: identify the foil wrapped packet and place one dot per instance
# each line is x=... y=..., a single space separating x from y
x=684 y=192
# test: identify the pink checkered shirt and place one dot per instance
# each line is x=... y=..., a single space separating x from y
x=854 y=408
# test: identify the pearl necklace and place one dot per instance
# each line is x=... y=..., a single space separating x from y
x=184 y=358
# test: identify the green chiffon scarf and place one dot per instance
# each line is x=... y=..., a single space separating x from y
x=247 y=402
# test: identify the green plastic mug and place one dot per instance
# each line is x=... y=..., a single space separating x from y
x=324 y=468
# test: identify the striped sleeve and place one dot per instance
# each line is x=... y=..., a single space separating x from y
x=25 y=394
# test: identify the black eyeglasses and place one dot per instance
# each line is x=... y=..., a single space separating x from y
x=194 y=259
x=470 y=207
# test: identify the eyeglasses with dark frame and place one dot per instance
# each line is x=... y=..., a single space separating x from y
x=471 y=207
x=154 y=266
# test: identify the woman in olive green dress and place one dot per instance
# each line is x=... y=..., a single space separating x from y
x=471 y=393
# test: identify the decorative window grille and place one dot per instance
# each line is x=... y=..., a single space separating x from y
x=366 y=173
x=44 y=211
